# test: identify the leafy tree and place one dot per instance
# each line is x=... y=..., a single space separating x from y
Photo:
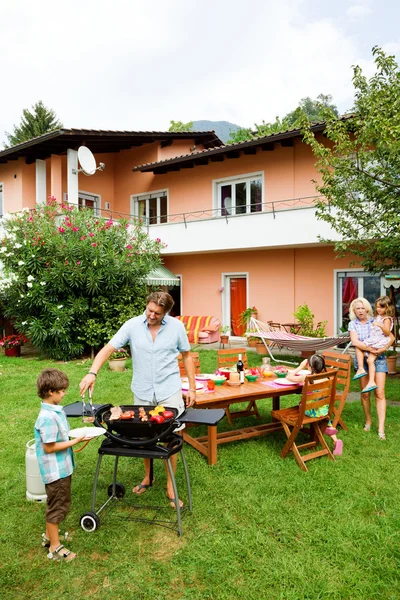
x=179 y=126
x=360 y=169
x=312 y=109
x=71 y=279
x=41 y=120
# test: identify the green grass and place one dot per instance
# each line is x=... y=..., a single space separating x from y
x=261 y=528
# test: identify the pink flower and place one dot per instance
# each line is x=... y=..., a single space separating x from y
x=70 y=208
x=94 y=244
x=91 y=234
x=83 y=237
x=66 y=262
x=75 y=229
x=61 y=229
x=78 y=262
x=158 y=240
x=129 y=246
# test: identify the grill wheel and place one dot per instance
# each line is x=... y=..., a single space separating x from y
x=119 y=489
x=90 y=522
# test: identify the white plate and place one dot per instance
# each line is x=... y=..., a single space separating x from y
x=185 y=386
x=89 y=432
x=203 y=377
x=284 y=381
x=303 y=372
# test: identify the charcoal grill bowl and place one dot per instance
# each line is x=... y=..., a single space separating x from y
x=133 y=432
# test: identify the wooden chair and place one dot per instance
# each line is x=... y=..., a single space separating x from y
x=229 y=358
x=318 y=390
x=196 y=361
x=342 y=364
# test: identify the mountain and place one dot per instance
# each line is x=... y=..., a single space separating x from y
x=221 y=128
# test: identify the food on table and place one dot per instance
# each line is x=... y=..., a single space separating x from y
x=268 y=373
x=142 y=415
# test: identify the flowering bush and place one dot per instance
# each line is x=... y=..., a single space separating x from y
x=70 y=278
x=12 y=341
x=121 y=353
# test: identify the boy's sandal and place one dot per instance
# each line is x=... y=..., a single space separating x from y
x=367 y=427
x=381 y=436
x=61 y=554
x=46 y=541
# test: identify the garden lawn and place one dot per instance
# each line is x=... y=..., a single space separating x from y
x=260 y=528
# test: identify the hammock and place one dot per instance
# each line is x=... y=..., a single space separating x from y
x=290 y=340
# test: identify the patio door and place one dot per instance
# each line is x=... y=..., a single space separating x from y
x=235 y=302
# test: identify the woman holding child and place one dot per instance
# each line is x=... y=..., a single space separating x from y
x=360 y=326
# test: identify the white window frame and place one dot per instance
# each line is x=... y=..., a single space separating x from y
x=136 y=198
x=1 y=199
x=242 y=178
x=89 y=196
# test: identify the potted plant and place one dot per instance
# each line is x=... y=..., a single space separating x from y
x=260 y=347
x=117 y=360
x=252 y=341
x=391 y=357
x=246 y=315
x=224 y=331
x=12 y=344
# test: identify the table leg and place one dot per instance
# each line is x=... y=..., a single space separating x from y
x=276 y=403
x=212 y=444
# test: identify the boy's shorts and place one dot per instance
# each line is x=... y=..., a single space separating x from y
x=174 y=401
x=380 y=364
x=58 y=499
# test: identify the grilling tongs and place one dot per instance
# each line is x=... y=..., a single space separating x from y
x=85 y=417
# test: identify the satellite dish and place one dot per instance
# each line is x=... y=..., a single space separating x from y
x=86 y=160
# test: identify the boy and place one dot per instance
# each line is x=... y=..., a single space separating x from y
x=55 y=457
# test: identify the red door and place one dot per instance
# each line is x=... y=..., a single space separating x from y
x=238 y=304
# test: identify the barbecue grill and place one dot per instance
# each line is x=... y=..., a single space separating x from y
x=135 y=438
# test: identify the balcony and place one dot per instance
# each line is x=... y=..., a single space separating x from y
x=281 y=224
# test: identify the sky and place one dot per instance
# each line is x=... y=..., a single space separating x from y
x=134 y=65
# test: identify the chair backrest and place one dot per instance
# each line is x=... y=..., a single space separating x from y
x=274 y=326
x=318 y=390
x=229 y=357
x=342 y=364
x=196 y=362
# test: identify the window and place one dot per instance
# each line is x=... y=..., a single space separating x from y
x=241 y=195
x=151 y=207
x=88 y=201
x=359 y=284
x=1 y=200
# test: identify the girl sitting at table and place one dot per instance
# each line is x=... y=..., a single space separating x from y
x=315 y=365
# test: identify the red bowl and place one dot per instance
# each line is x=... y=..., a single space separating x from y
x=226 y=374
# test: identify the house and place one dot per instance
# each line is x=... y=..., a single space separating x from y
x=239 y=221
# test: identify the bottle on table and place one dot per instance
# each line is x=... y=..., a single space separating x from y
x=240 y=368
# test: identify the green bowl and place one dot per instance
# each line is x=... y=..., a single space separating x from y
x=280 y=374
x=251 y=377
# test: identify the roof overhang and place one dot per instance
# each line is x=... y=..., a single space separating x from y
x=99 y=141
x=203 y=157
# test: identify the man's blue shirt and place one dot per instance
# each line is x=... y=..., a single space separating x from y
x=155 y=368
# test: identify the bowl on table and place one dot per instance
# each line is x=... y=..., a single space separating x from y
x=251 y=377
x=219 y=379
x=233 y=383
x=281 y=373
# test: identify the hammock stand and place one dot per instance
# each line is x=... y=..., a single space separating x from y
x=292 y=341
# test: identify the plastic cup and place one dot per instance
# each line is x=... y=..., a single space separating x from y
x=211 y=384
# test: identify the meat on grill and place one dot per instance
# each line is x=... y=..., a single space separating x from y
x=115 y=413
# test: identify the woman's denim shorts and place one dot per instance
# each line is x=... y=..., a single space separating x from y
x=380 y=364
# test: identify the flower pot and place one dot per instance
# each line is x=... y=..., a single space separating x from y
x=260 y=348
x=15 y=351
x=224 y=339
x=117 y=364
x=254 y=315
x=391 y=361
x=252 y=343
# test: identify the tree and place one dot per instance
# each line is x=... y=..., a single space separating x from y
x=360 y=169
x=34 y=123
x=312 y=109
x=179 y=126
x=71 y=279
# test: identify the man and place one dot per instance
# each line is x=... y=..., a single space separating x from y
x=155 y=340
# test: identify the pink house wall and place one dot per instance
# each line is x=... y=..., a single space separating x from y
x=278 y=281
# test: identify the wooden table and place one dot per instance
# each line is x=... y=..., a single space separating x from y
x=224 y=396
